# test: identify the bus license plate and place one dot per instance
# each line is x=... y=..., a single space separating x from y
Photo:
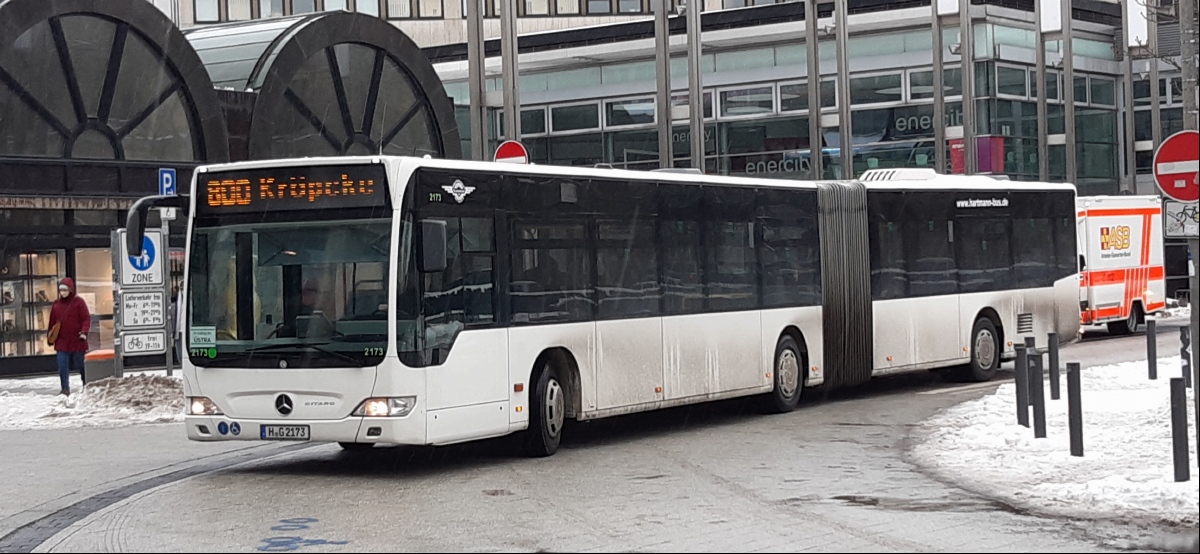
x=284 y=432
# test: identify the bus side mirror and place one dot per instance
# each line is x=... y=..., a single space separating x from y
x=135 y=220
x=433 y=246
x=135 y=229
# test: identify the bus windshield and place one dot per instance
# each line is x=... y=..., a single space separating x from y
x=288 y=267
x=310 y=294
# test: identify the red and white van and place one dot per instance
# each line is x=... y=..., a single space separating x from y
x=1121 y=273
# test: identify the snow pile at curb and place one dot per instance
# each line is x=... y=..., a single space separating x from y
x=1175 y=311
x=1126 y=472
x=136 y=399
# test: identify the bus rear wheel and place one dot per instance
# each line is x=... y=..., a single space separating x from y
x=788 y=375
x=547 y=414
x=985 y=351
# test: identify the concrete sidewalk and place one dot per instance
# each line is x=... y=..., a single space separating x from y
x=48 y=470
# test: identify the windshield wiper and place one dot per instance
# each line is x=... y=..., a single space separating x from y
x=269 y=347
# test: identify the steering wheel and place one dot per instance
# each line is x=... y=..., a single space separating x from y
x=275 y=332
x=225 y=335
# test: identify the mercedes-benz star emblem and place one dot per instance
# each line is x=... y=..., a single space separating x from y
x=283 y=404
x=282 y=364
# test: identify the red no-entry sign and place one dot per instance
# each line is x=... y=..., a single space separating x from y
x=1177 y=166
x=513 y=152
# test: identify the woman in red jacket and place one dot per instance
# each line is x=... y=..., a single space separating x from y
x=70 y=314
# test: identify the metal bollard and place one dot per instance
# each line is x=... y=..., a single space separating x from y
x=1038 y=393
x=1074 y=409
x=1021 y=376
x=1179 y=438
x=1052 y=339
x=1031 y=351
x=1152 y=348
x=1185 y=355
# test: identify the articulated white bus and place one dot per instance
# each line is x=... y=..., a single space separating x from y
x=415 y=301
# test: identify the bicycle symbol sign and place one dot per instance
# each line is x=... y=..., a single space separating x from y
x=153 y=342
x=1180 y=220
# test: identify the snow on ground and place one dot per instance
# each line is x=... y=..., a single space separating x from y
x=1126 y=471
x=149 y=397
x=1174 y=312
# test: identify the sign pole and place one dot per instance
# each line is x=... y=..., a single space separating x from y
x=1129 y=175
x=845 y=116
x=118 y=242
x=1177 y=174
x=168 y=316
x=1067 y=91
x=1043 y=125
x=966 y=52
x=475 y=64
x=695 y=84
x=812 y=47
x=509 y=61
x=1194 y=323
x=662 y=64
x=1191 y=122
x=167 y=186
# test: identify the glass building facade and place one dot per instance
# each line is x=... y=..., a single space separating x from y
x=756 y=106
x=597 y=106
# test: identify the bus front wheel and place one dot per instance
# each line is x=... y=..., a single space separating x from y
x=547 y=414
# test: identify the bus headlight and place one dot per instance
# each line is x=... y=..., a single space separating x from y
x=386 y=407
x=201 y=405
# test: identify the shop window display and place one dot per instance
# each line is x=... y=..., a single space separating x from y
x=95 y=286
x=28 y=283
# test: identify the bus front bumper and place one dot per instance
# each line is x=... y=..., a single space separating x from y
x=409 y=430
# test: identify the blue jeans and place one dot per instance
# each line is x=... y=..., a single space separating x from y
x=68 y=362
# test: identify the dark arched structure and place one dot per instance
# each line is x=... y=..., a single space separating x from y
x=332 y=83
x=95 y=97
x=97 y=80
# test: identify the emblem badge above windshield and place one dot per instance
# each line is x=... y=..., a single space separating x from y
x=458 y=190
x=282 y=364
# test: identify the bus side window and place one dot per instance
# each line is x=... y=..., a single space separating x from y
x=1082 y=262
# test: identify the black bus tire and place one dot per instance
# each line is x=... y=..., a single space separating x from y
x=788 y=372
x=547 y=414
x=985 y=351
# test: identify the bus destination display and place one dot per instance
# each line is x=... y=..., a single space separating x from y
x=292 y=188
